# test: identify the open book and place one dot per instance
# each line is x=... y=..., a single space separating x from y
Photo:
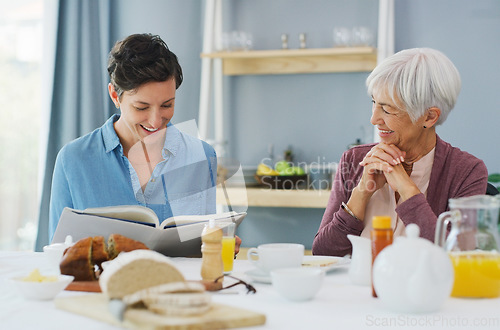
x=178 y=236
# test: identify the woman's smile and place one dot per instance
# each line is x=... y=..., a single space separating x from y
x=384 y=133
x=150 y=130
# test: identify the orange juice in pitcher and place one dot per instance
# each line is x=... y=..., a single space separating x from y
x=473 y=245
x=477 y=274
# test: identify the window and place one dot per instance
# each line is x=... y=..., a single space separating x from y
x=20 y=114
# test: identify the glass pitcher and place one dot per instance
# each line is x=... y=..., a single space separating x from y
x=473 y=245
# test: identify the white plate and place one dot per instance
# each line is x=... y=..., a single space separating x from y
x=259 y=276
x=327 y=263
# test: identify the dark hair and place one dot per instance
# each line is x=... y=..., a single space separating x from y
x=139 y=59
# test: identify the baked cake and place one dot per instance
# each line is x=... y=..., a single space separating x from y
x=99 y=251
x=84 y=259
x=76 y=261
x=118 y=243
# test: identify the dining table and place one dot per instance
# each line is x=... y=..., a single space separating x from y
x=339 y=304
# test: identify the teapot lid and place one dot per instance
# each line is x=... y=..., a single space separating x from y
x=412 y=240
x=412 y=231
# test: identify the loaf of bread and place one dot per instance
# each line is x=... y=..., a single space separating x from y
x=84 y=259
x=137 y=270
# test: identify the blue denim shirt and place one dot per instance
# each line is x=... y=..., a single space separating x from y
x=92 y=171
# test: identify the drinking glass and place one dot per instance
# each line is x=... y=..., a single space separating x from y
x=341 y=37
x=228 y=244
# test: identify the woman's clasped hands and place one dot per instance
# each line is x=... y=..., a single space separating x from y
x=384 y=164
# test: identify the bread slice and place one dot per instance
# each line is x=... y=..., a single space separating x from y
x=118 y=243
x=137 y=270
x=99 y=251
x=76 y=261
x=172 y=287
x=174 y=298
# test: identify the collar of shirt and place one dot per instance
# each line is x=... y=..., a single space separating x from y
x=111 y=140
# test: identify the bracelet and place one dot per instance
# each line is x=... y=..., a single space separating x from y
x=348 y=210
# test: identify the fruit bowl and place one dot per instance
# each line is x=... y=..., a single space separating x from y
x=282 y=181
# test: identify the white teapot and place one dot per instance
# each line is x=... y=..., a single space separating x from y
x=413 y=275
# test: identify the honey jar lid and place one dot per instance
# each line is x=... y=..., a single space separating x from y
x=381 y=222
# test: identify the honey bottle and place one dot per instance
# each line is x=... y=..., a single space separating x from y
x=381 y=236
x=211 y=249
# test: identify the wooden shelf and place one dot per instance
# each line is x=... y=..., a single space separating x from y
x=265 y=197
x=289 y=61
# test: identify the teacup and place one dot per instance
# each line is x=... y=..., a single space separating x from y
x=55 y=251
x=276 y=255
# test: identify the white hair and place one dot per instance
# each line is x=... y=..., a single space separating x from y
x=420 y=78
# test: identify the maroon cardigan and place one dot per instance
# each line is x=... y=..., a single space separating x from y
x=455 y=173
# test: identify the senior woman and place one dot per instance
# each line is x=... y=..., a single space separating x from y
x=411 y=173
x=138 y=156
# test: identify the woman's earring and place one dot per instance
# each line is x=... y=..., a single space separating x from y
x=425 y=126
x=118 y=106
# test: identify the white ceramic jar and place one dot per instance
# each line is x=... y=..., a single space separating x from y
x=413 y=275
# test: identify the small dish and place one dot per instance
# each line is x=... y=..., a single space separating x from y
x=259 y=276
x=297 y=284
x=42 y=290
x=326 y=263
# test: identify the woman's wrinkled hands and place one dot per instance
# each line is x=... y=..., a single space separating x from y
x=382 y=164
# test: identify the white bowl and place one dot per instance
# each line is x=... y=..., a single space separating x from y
x=42 y=290
x=297 y=284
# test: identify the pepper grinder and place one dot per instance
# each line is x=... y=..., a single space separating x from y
x=284 y=41
x=302 y=39
x=211 y=249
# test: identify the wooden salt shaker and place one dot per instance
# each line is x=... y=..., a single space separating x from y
x=211 y=249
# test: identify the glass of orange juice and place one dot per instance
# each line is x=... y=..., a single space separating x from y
x=228 y=243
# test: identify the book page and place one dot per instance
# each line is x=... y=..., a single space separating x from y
x=134 y=213
x=181 y=220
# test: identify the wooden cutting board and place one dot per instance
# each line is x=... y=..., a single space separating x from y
x=219 y=317
x=87 y=286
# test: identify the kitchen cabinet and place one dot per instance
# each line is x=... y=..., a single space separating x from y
x=265 y=197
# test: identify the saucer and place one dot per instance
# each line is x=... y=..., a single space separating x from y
x=259 y=276
x=326 y=263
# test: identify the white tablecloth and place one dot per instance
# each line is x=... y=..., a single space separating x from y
x=339 y=304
